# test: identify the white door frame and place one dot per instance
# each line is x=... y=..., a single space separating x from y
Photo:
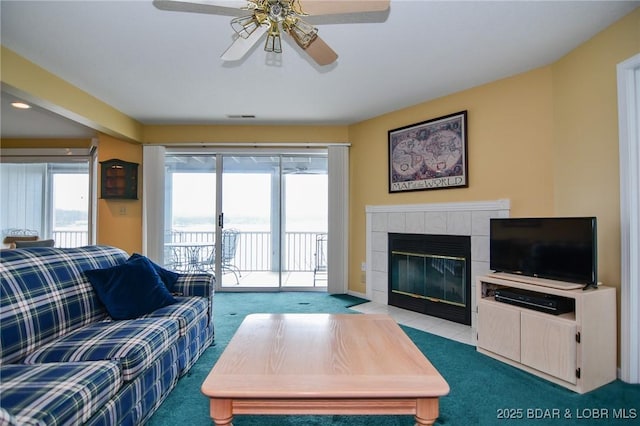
x=629 y=146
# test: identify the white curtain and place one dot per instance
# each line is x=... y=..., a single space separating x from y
x=153 y=202
x=338 y=239
x=23 y=196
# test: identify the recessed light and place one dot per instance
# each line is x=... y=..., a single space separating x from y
x=20 y=105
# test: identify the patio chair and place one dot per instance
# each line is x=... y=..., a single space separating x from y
x=320 y=268
x=14 y=234
x=229 y=247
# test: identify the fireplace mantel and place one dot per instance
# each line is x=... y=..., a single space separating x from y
x=460 y=218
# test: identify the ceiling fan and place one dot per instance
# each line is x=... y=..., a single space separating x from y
x=255 y=18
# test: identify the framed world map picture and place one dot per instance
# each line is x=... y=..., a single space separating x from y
x=429 y=155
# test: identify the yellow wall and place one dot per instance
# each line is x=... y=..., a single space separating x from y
x=120 y=221
x=585 y=140
x=509 y=154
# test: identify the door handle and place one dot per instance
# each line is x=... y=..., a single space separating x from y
x=221 y=220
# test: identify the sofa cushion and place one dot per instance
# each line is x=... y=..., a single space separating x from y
x=168 y=277
x=186 y=312
x=130 y=290
x=34 y=244
x=57 y=393
x=45 y=294
x=136 y=344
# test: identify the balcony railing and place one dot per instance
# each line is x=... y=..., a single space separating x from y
x=253 y=253
x=70 y=238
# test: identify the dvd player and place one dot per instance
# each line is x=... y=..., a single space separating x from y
x=543 y=302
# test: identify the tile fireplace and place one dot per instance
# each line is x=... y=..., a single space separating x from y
x=467 y=219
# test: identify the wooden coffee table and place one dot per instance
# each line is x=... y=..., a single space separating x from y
x=323 y=364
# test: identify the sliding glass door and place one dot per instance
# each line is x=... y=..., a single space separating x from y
x=251 y=221
x=305 y=194
x=256 y=220
x=190 y=212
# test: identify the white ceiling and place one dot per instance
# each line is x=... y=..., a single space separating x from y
x=37 y=123
x=161 y=66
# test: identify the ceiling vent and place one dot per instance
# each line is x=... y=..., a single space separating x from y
x=241 y=116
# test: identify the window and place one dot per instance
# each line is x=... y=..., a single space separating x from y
x=48 y=196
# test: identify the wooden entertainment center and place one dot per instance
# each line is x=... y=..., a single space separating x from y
x=575 y=349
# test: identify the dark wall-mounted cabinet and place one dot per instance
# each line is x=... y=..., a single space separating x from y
x=119 y=180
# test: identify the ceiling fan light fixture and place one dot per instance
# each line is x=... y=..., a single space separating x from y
x=302 y=32
x=244 y=26
x=274 y=41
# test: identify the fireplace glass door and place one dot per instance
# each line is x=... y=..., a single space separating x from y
x=431 y=274
x=436 y=278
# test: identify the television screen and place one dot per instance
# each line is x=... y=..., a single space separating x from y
x=562 y=248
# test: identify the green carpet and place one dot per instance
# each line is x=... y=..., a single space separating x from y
x=483 y=391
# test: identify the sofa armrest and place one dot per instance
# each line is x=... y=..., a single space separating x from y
x=200 y=285
x=195 y=284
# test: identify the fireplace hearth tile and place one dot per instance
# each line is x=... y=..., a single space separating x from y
x=397 y=222
x=459 y=223
x=380 y=260
x=435 y=223
x=379 y=241
x=480 y=222
x=480 y=248
x=439 y=327
x=380 y=282
x=415 y=223
x=379 y=222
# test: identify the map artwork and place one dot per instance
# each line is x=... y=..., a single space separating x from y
x=429 y=155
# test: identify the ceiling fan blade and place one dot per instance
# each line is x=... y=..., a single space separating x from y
x=320 y=52
x=332 y=7
x=241 y=45
x=216 y=7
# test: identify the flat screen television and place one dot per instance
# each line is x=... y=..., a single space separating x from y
x=557 y=248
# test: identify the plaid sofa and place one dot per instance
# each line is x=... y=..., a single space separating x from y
x=64 y=361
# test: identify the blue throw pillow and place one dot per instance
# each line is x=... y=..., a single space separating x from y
x=169 y=278
x=131 y=289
